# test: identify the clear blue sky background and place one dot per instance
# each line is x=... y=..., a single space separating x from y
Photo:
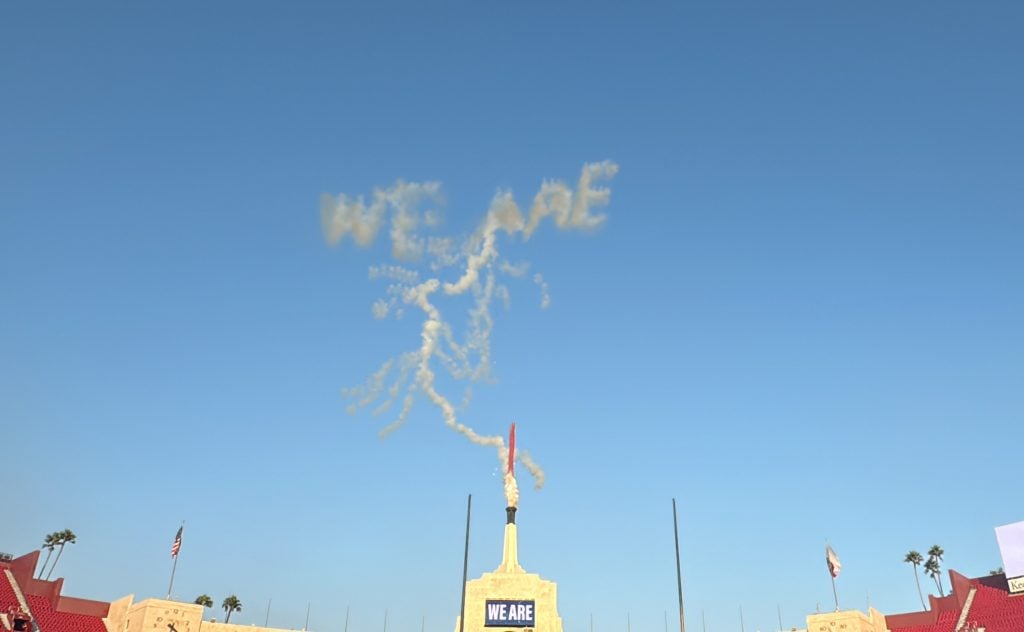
x=802 y=318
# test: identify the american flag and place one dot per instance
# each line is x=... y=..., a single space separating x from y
x=177 y=543
x=833 y=562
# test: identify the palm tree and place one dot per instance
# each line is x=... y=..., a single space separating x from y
x=49 y=543
x=936 y=554
x=67 y=536
x=231 y=604
x=931 y=569
x=915 y=558
x=204 y=600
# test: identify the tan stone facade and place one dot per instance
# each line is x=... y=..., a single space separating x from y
x=510 y=581
x=153 y=615
x=156 y=615
x=210 y=626
x=117 y=615
x=847 y=621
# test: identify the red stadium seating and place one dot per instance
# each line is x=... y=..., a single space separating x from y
x=992 y=609
x=946 y=622
x=50 y=620
x=8 y=599
x=16 y=617
x=995 y=609
x=47 y=608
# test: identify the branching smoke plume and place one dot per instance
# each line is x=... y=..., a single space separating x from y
x=474 y=267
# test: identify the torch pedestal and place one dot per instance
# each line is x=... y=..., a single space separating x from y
x=510 y=599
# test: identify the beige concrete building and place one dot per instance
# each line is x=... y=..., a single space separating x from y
x=161 y=615
x=847 y=621
x=510 y=598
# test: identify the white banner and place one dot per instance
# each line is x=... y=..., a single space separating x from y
x=1016 y=585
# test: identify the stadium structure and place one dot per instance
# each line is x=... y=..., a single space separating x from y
x=508 y=600
x=28 y=604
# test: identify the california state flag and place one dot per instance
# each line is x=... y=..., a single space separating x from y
x=833 y=561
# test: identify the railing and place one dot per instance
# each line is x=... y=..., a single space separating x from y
x=966 y=610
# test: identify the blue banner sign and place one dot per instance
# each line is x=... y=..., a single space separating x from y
x=509 y=613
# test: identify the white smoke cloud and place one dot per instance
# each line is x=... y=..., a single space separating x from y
x=502 y=294
x=511 y=489
x=371 y=390
x=467 y=397
x=380 y=309
x=443 y=252
x=477 y=259
x=538 y=474
x=545 y=296
x=396 y=273
x=571 y=209
x=342 y=215
x=517 y=270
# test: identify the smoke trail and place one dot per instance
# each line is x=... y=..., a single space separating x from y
x=511 y=490
x=518 y=270
x=545 y=297
x=477 y=260
x=538 y=474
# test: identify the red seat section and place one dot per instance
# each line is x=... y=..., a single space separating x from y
x=993 y=609
x=49 y=610
x=8 y=599
x=945 y=623
x=996 y=610
x=50 y=620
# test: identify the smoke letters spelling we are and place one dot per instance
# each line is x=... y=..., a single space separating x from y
x=451 y=267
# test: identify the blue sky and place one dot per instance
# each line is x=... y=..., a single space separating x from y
x=800 y=318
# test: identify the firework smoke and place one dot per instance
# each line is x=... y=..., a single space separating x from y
x=477 y=258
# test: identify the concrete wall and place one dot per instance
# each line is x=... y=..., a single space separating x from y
x=153 y=615
x=90 y=607
x=510 y=581
x=24 y=569
x=847 y=621
x=117 y=615
x=209 y=626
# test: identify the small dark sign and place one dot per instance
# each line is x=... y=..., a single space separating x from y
x=509 y=613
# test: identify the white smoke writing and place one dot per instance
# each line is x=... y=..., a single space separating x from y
x=412 y=374
x=343 y=215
